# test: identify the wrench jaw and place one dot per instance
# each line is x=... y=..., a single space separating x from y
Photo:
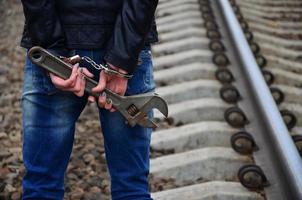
x=148 y=123
x=140 y=116
x=158 y=103
x=144 y=122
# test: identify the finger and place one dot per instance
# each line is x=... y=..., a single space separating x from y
x=102 y=83
x=80 y=71
x=73 y=76
x=111 y=86
x=112 y=109
x=70 y=82
x=91 y=99
x=108 y=104
x=102 y=100
x=82 y=86
x=117 y=86
x=55 y=78
x=52 y=75
x=87 y=73
x=77 y=88
x=57 y=81
x=120 y=90
x=75 y=69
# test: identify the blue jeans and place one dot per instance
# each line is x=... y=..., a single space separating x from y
x=49 y=117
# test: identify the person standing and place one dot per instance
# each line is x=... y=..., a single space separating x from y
x=117 y=32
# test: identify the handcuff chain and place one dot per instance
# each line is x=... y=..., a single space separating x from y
x=90 y=61
x=105 y=68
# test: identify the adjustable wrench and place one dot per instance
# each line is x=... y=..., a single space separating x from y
x=134 y=108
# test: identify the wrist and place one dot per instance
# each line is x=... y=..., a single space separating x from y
x=113 y=70
x=118 y=69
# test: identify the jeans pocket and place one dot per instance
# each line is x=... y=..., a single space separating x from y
x=142 y=80
x=41 y=81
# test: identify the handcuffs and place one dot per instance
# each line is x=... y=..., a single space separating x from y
x=107 y=69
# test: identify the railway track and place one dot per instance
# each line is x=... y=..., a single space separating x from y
x=192 y=155
x=226 y=137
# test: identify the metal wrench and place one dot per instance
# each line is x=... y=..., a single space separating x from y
x=134 y=108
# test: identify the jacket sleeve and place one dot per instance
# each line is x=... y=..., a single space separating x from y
x=43 y=25
x=131 y=28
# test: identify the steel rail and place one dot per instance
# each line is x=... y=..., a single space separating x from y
x=282 y=163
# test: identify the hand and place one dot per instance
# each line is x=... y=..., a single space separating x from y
x=75 y=83
x=114 y=83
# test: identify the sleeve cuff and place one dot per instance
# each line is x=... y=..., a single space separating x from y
x=128 y=65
